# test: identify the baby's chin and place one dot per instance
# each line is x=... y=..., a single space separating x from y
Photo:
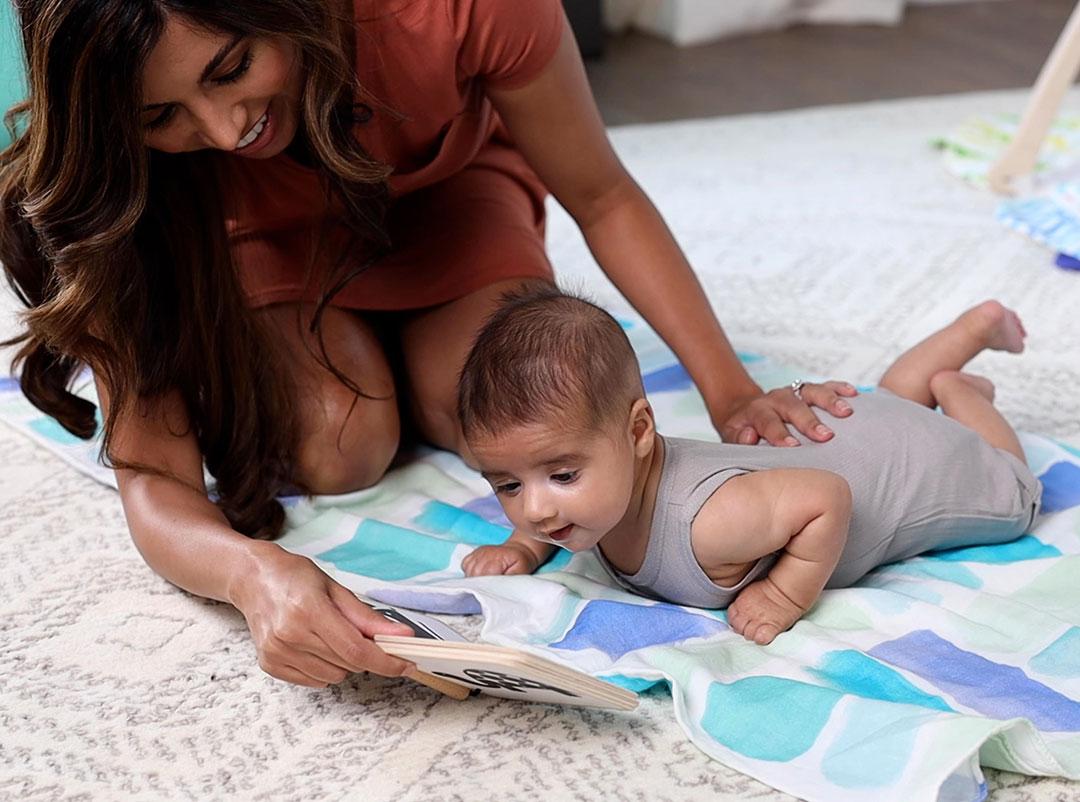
x=575 y=545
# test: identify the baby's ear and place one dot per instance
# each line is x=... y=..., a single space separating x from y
x=642 y=427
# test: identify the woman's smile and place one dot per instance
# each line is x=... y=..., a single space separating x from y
x=259 y=136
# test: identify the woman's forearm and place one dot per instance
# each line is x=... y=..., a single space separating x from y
x=637 y=251
x=184 y=537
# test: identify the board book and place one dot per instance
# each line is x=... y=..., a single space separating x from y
x=440 y=651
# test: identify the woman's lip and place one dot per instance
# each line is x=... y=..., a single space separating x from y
x=263 y=139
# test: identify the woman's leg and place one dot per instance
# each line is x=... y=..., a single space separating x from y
x=346 y=441
x=434 y=345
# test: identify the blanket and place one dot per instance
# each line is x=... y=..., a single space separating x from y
x=900 y=687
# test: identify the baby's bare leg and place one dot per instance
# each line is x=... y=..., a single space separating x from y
x=988 y=325
x=967 y=403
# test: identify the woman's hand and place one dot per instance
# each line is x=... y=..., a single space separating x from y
x=307 y=628
x=765 y=417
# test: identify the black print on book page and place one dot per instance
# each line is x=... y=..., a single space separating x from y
x=418 y=627
x=484 y=678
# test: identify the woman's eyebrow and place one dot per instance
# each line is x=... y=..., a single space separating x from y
x=219 y=57
x=209 y=69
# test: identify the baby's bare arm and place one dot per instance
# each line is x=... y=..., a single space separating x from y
x=803 y=513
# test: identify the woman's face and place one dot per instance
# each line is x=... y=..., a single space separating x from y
x=209 y=90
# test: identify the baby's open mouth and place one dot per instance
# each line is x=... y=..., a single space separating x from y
x=559 y=534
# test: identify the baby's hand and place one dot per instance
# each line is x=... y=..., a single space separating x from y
x=509 y=558
x=762 y=611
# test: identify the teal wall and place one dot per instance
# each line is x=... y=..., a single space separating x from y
x=12 y=76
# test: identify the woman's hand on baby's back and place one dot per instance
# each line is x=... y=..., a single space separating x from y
x=308 y=629
x=765 y=417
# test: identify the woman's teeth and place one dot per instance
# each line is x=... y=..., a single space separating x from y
x=253 y=134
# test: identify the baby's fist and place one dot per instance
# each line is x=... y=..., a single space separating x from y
x=488 y=560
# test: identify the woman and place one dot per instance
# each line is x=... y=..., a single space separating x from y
x=265 y=224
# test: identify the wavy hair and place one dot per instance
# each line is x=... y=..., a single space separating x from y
x=120 y=254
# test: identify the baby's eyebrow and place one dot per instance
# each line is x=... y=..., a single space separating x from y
x=562 y=459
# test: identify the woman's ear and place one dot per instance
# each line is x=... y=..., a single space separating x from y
x=642 y=427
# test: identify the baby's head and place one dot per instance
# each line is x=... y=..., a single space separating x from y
x=553 y=410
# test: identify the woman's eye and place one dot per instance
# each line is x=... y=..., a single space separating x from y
x=162 y=119
x=238 y=71
x=564 y=478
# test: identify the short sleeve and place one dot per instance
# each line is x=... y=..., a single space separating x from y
x=506 y=43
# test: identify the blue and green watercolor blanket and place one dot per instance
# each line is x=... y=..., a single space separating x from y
x=897 y=689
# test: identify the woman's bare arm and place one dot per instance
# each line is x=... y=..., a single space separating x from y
x=307 y=628
x=555 y=124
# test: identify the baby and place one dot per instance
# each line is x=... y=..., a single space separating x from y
x=555 y=415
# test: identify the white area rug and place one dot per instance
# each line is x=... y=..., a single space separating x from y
x=827 y=238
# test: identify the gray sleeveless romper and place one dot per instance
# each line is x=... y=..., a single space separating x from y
x=919 y=481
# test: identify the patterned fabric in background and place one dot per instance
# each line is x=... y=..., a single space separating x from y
x=969 y=150
x=1048 y=209
x=899 y=687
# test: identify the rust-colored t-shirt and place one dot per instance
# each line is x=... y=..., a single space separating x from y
x=466 y=208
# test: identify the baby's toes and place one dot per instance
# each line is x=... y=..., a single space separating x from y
x=765 y=633
x=735 y=618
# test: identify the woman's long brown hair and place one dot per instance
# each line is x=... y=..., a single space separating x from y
x=121 y=256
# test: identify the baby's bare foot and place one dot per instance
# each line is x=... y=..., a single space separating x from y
x=997 y=326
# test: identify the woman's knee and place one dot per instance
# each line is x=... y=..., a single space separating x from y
x=347 y=438
x=435 y=344
x=350 y=445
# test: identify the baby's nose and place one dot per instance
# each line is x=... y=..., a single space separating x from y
x=538 y=508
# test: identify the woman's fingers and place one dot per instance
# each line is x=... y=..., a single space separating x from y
x=830 y=397
x=328 y=655
x=318 y=672
x=305 y=625
x=768 y=416
x=361 y=615
x=797 y=412
x=301 y=663
x=293 y=675
x=347 y=631
x=771 y=414
x=843 y=388
x=737 y=429
x=768 y=422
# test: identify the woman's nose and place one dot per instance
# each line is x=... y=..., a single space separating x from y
x=220 y=126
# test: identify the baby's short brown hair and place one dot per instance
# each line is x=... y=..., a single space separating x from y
x=544 y=354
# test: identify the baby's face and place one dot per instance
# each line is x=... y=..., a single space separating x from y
x=560 y=486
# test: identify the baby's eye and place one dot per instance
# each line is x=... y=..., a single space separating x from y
x=507 y=488
x=564 y=478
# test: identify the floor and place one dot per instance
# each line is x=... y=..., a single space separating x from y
x=937 y=49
